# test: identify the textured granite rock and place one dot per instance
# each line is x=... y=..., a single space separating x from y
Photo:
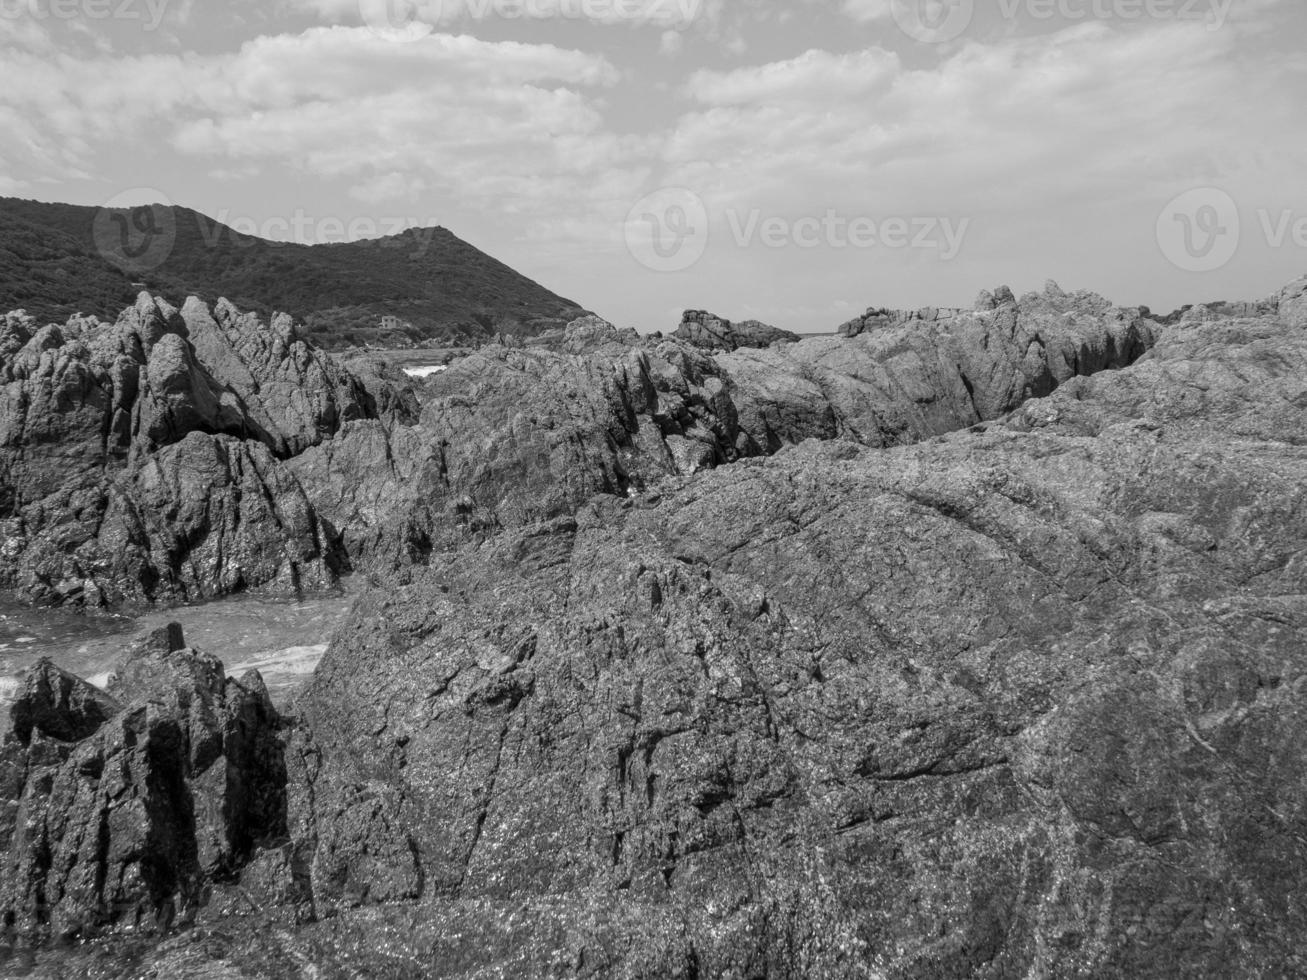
x=1021 y=701
x=140 y=460
x=511 y=435
x=701 y=329
x=119 y=810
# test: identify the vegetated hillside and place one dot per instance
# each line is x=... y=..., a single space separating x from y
x=439 y=287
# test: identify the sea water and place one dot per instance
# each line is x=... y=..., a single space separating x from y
x=282 y=638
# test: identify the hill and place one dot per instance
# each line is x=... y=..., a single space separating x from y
x=59 y=259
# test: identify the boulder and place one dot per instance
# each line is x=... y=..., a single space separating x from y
x=120 y=810
x=1021 y=700
x=702 y=329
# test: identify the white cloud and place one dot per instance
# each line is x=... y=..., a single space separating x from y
x=393 y=186
x=393 y=14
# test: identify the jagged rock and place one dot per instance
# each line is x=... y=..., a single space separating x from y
x=1020 y=701
x=593 y=333
x=139 y=460
x=58 y=705
x=292 y=395
x=511 y=436
x=878 y=318
x=1292 y=303
x=119 y=812
x=713 y=333
x=929 y=373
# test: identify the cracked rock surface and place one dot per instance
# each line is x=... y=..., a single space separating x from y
x=1021 y=701
x=1012 y=689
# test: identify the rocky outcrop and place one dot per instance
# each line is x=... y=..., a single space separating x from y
x=1293 y=303
x=509 y=435
x=1020 y=701
x=1016 y=699
x=297 y=467
x=927 y=375
x=701 y=329
x=879 y=318
x=119 y=810
x=141 y=461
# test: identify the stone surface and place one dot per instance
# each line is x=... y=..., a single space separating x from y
x=1006 y=684
x=701 y=329
x=120 y=810
x=511 y=435
x=1022 y=701
x=141 y=461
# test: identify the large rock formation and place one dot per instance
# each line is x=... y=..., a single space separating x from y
x=1022 y=701
x=140 y=460
x=182 y=455
x=702 y=329
x=119 y=810
x=509 y=436
x=1018 y=700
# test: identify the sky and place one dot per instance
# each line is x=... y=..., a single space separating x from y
x=794 y=162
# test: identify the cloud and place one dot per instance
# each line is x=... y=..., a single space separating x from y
x=485 y=120
x=867 y=10
x=1012 y=125
x=388 y=187
x=395 y=14
x=671 y=43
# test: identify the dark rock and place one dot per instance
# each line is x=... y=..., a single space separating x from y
x=57 y=705
x=142 y=460
x=511 y=436
x=1013 y=702
x=120 y=813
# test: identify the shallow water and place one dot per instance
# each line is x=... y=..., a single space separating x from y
x=282 y=638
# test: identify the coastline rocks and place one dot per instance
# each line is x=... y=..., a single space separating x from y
x=141 y=461
x=701 y=329
x=1021 y=701
x=509 y=436
x=592 y=333
x=932 y=373
x=1293 y=303
x=119 y=810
